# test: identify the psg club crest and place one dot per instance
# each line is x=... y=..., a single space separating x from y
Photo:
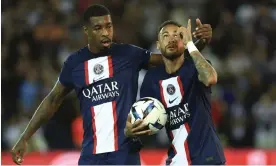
x=98 y=69
x=170 y=89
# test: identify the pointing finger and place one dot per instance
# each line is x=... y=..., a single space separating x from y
x=189 y=25
x=198 y=22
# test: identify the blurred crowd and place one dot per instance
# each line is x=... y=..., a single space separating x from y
x=38 y=35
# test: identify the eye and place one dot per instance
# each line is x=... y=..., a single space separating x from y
x=97 y=28
x=109 y=26
x=165 y=36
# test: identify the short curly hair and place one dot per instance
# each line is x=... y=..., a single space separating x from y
x=95 y=11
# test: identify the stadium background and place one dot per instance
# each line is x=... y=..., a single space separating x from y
x=37 y=35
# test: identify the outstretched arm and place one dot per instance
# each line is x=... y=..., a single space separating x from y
x=44 y=112
x=46 y=109
x=206 y=73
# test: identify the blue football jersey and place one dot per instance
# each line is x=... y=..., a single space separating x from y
x=106 y=86
x=190 y=127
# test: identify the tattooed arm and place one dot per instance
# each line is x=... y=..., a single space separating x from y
x=206 y=73
x=44 y=112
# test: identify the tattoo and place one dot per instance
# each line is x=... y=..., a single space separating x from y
x=206 y=73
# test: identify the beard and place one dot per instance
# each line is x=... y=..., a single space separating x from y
x=171 y=55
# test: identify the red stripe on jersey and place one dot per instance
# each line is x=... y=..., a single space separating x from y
x=171 y=135
x=180 y=86
x=94 y=130
x=174 y=150
x=162 y=94
x=186 y=143
x=115 y=125
x=110 y=66
x=86 y=72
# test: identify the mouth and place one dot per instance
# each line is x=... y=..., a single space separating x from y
x=173 y=46
x=106 y=42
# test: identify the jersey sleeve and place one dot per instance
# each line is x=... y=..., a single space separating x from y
x=146 y=87
x=65 y=76
x=141 y=56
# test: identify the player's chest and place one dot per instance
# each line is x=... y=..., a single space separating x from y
x=97 y=69
x=175 y=93
x=175 y=90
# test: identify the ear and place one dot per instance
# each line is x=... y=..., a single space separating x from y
x=85 y=29
x=158 y=45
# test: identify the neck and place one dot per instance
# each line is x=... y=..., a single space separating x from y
x=172 y=66
x=93 y=49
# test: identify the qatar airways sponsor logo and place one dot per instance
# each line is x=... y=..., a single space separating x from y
x=179 y=115
x=102 y=91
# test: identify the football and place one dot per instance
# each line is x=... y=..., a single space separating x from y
x=151 y=111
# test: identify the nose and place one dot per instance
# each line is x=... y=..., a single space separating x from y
x=105 y=32
x=172 y=40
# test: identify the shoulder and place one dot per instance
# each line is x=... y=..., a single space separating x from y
x=124 y=45
x=120 y=46
x=155 y=73
x=189 y=61
x=78 y=54
x=128 y=46
x=134 y=47
x=157 y=69
x=75 y=57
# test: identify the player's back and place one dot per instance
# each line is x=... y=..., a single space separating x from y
x=106 y=86
x=190 y=127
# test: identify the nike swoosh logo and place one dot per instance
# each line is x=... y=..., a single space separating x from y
x=171 y=101
x=98 y=79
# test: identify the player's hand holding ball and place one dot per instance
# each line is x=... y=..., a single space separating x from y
x=138 y=128
x=147 y=116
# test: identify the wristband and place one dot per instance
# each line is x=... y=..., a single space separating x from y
x=191 y=47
